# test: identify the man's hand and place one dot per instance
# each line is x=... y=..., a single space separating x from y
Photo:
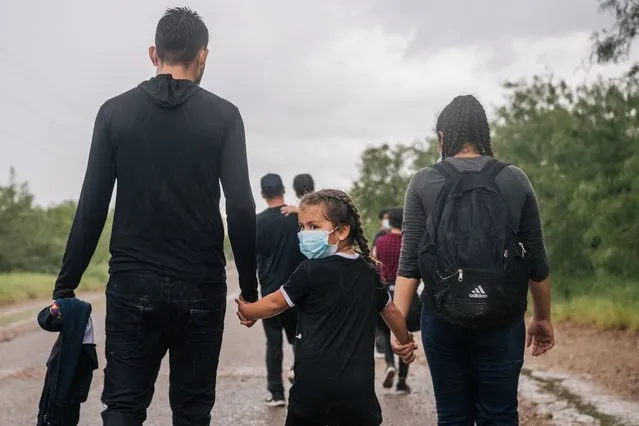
x=245 y=322
x=405 y=352
x=286 y=210
x=540 y=335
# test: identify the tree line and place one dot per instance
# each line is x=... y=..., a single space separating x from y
x=33 y=238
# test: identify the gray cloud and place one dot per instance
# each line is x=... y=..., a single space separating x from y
x=316 y=81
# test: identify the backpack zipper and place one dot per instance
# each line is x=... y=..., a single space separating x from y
x=459 y=272
x=523 y=250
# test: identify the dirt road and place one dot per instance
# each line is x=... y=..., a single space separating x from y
x=547 y=398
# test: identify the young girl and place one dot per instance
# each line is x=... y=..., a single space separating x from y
x=339 y=294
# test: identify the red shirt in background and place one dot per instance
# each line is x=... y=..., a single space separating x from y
x=388 y=248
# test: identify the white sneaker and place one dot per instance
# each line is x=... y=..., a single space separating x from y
x=275 y=401
x=379 y=355
x=389 y=377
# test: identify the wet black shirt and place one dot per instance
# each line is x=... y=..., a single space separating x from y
x=338 y=301
x=278 y=252
x=168 y=144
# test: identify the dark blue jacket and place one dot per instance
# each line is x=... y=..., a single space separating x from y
x=70 y=365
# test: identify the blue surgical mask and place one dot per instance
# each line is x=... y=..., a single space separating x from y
x=314 y=244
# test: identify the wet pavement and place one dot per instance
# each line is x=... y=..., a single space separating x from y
x=241 y=385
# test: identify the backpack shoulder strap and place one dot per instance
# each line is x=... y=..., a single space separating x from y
x=493 y=168
x=445 y=168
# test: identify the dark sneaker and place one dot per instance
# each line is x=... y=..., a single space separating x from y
x=402 y=387
x=275 y=401
x=389 y=377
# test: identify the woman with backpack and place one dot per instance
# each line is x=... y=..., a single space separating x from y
x=472 y=232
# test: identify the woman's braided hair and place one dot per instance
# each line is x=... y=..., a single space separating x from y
x=340 y=209
x=464 y=121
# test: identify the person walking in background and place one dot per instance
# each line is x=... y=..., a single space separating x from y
x=339 y=295
x=169 y=144
x=384 y=228
x=380 y=333
x=278 y=255
x=302 y=184
x=477 y=224
x=388 y=250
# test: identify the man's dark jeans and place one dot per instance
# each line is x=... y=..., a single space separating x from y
x=146 y=316
x=475 y=373
x=273 y=327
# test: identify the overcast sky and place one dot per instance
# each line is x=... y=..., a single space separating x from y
x=316 y=81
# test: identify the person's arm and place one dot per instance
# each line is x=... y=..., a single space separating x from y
x=413 y=228
x=540 y=334
x=540 y=292
x=240 y=206
x=397 y=323
x=267 y=307
x=91 y=213
x=531 y=235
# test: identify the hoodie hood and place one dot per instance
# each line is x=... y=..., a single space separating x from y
x=168 y=92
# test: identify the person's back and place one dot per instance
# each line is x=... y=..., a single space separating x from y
x=172 y=143
x=169 y=144
x=338 y=317
x=278 y=255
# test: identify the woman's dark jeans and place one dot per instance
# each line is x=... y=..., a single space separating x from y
x=475 y=373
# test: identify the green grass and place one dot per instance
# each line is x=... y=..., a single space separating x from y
x=605 y=302
x=19 y=287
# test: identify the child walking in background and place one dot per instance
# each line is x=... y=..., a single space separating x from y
x=339 y=295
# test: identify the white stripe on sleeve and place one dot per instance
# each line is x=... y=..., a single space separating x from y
x=288 y=299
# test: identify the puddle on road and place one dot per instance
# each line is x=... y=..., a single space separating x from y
x=569 y=401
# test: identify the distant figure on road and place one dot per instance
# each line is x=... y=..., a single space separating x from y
x=339 y=295
x=169 y=144
x=380 y=333
x=388 y=251
x=278 y=255
x=302 y=184
x=472 y=232
x=384 y=228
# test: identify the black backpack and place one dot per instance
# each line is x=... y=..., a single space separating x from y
x=471 y=259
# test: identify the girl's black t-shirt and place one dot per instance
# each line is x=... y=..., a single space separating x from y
x=338 y=300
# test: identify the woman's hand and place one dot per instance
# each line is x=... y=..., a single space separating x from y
x=540 y=335
x=240 y=305
x=405 y=352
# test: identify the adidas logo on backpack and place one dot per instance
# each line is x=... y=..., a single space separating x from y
x=478 y=293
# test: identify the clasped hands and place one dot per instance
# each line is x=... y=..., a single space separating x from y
x=243 y=320
x=405 y=352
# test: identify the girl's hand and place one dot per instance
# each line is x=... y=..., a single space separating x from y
x=241 y=304
x=405 y=352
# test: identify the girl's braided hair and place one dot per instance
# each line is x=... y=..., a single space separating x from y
x=340 y=209
x=464 y=121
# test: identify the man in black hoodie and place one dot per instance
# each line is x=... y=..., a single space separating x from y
x=169 y=144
